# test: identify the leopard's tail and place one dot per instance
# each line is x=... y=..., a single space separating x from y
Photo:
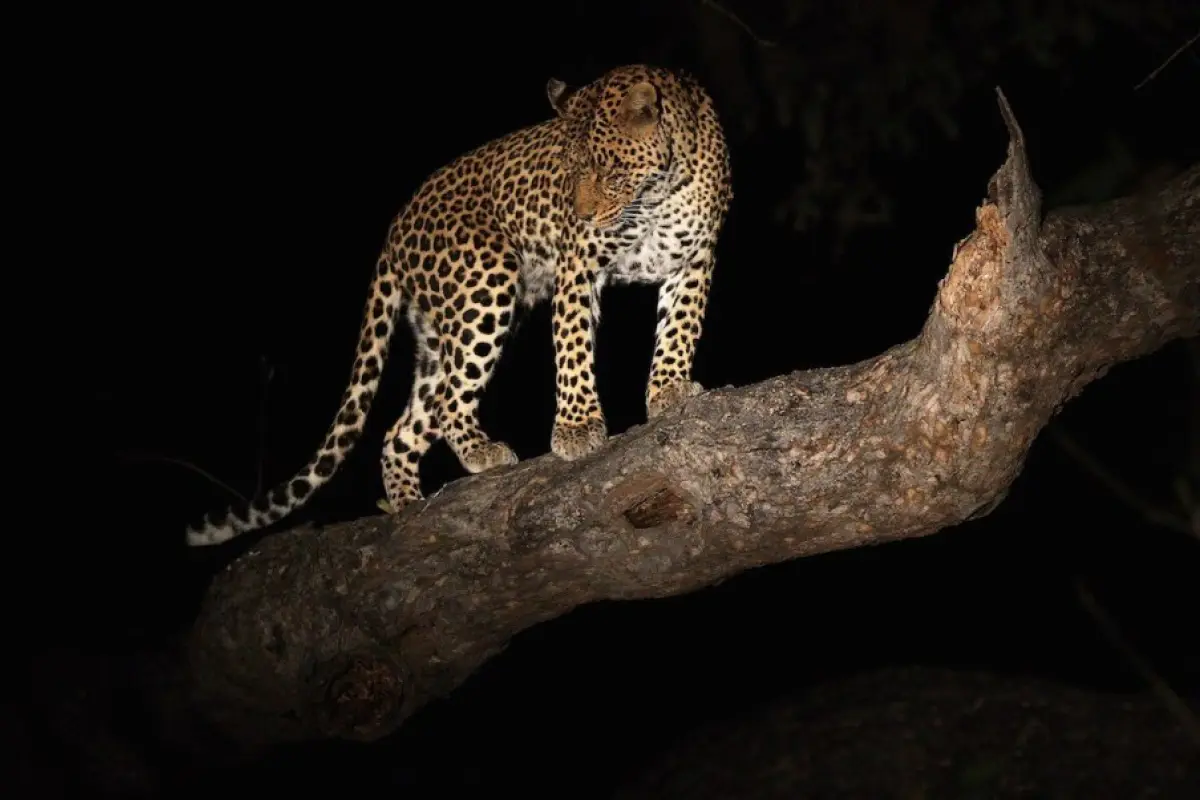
x=379 y=321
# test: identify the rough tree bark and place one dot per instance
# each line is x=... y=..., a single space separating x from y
x=346 y=630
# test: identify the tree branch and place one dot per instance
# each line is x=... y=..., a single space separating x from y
x=347 y=630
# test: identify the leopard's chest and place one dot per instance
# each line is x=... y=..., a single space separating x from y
x=646 y=252
x=653 y=246
x=644 y=249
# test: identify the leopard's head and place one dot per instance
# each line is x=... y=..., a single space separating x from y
x=620 y=146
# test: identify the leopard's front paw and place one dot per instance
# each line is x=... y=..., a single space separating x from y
x=660 y=399
x=572 y=441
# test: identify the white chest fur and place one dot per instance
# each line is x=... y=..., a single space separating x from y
x=650 y=252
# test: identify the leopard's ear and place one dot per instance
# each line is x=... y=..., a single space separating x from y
x=639 y=112
x=556 y=90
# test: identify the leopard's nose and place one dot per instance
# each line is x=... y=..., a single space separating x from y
x=585 y=207
x=585 y=197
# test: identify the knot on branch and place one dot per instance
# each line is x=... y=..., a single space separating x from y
x=658 y=509
x=648 y=501
x=358 y=695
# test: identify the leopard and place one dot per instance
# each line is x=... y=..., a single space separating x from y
x=628 y=181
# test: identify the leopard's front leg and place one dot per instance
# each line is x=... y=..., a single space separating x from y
x=579 y=426
x=681 y=303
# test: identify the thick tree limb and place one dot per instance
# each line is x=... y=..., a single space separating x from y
x=345 y=631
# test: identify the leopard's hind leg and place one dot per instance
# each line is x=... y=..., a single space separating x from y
x=417 y=428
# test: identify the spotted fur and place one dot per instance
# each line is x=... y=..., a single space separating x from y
x=628 y=183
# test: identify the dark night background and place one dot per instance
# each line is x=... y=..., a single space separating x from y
x=245 y=167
